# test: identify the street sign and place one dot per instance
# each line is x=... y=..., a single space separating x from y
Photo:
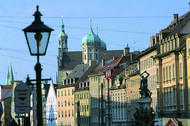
x=22 y=99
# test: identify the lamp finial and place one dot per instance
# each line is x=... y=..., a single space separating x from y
x=37 y=8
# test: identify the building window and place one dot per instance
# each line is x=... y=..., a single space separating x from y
x=65 y=103
x=68 y=91
x=181 y=95
x=61 y=92
x=165 y=98
x=68 y=102
x=58 y=113
x=62 y=113
x=65 y=113
x=58 y=103
x=72 y=91
x=96 y=56
x=158 y=97
x=157 y=75
x=90 y=54
x=170 y=97
x=169 y=72
x=174 y=96
x=72 y=112
x=173 y=71
x=168 y=46
x=62 y=103
x=164 y=74
x=69 y=113
x=180 y=70
x=65 y=93
x=72 y=102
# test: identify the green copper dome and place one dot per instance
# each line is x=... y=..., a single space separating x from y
x=91 y=38
x=62 y=34
x=103 y=44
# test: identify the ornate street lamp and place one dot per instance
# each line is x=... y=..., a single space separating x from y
x=37 y=36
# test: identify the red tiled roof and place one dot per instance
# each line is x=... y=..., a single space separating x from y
x=7 y=86
x=106 y=67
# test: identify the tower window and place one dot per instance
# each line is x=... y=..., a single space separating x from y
x=90 y=54
x=96 y=56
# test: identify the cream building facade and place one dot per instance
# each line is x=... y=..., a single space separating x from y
x=65 y=106
x=148 y=64
x=132 y=80
x=171 y=62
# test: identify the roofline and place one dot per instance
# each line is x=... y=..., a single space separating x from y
x=65 y=86
x=148 y=50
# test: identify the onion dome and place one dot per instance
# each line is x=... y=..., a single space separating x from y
x=62 y=34
x=91 y=38
x=103 y=44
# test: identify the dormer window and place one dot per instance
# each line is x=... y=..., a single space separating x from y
x=84 y=84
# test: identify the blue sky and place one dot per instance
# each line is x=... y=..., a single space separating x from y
x=120 y=22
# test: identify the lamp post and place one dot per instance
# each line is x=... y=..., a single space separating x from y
x=37 y=36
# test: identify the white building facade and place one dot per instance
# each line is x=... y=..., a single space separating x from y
x=51 y=107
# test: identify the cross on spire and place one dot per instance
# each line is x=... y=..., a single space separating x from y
x=90 y=23
x=97 y=29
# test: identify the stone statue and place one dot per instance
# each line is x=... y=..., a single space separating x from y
x=144 y=91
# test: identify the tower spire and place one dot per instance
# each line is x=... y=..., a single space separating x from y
x=62 y=25
x=7 y=79
x=10 y=76
x=97 y=29
x=90 y=23
x=11 y=72
x=62 y=18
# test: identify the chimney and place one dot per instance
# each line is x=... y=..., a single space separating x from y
x=131 y=57
x=156 y=38
x=126 y=50
x=175 y=18
x=152 y=41
x=103 y=62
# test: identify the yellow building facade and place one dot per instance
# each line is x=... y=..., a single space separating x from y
x=171 y=78
x=65 y=106
x=188 y=69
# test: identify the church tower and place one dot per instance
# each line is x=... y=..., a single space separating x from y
x=92 y=46
x=62 y=45
x=10 y=76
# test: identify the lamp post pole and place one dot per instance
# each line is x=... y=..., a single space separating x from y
x=38 y=70
x=37 y=35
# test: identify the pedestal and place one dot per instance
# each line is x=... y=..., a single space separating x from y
x=145 y=113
